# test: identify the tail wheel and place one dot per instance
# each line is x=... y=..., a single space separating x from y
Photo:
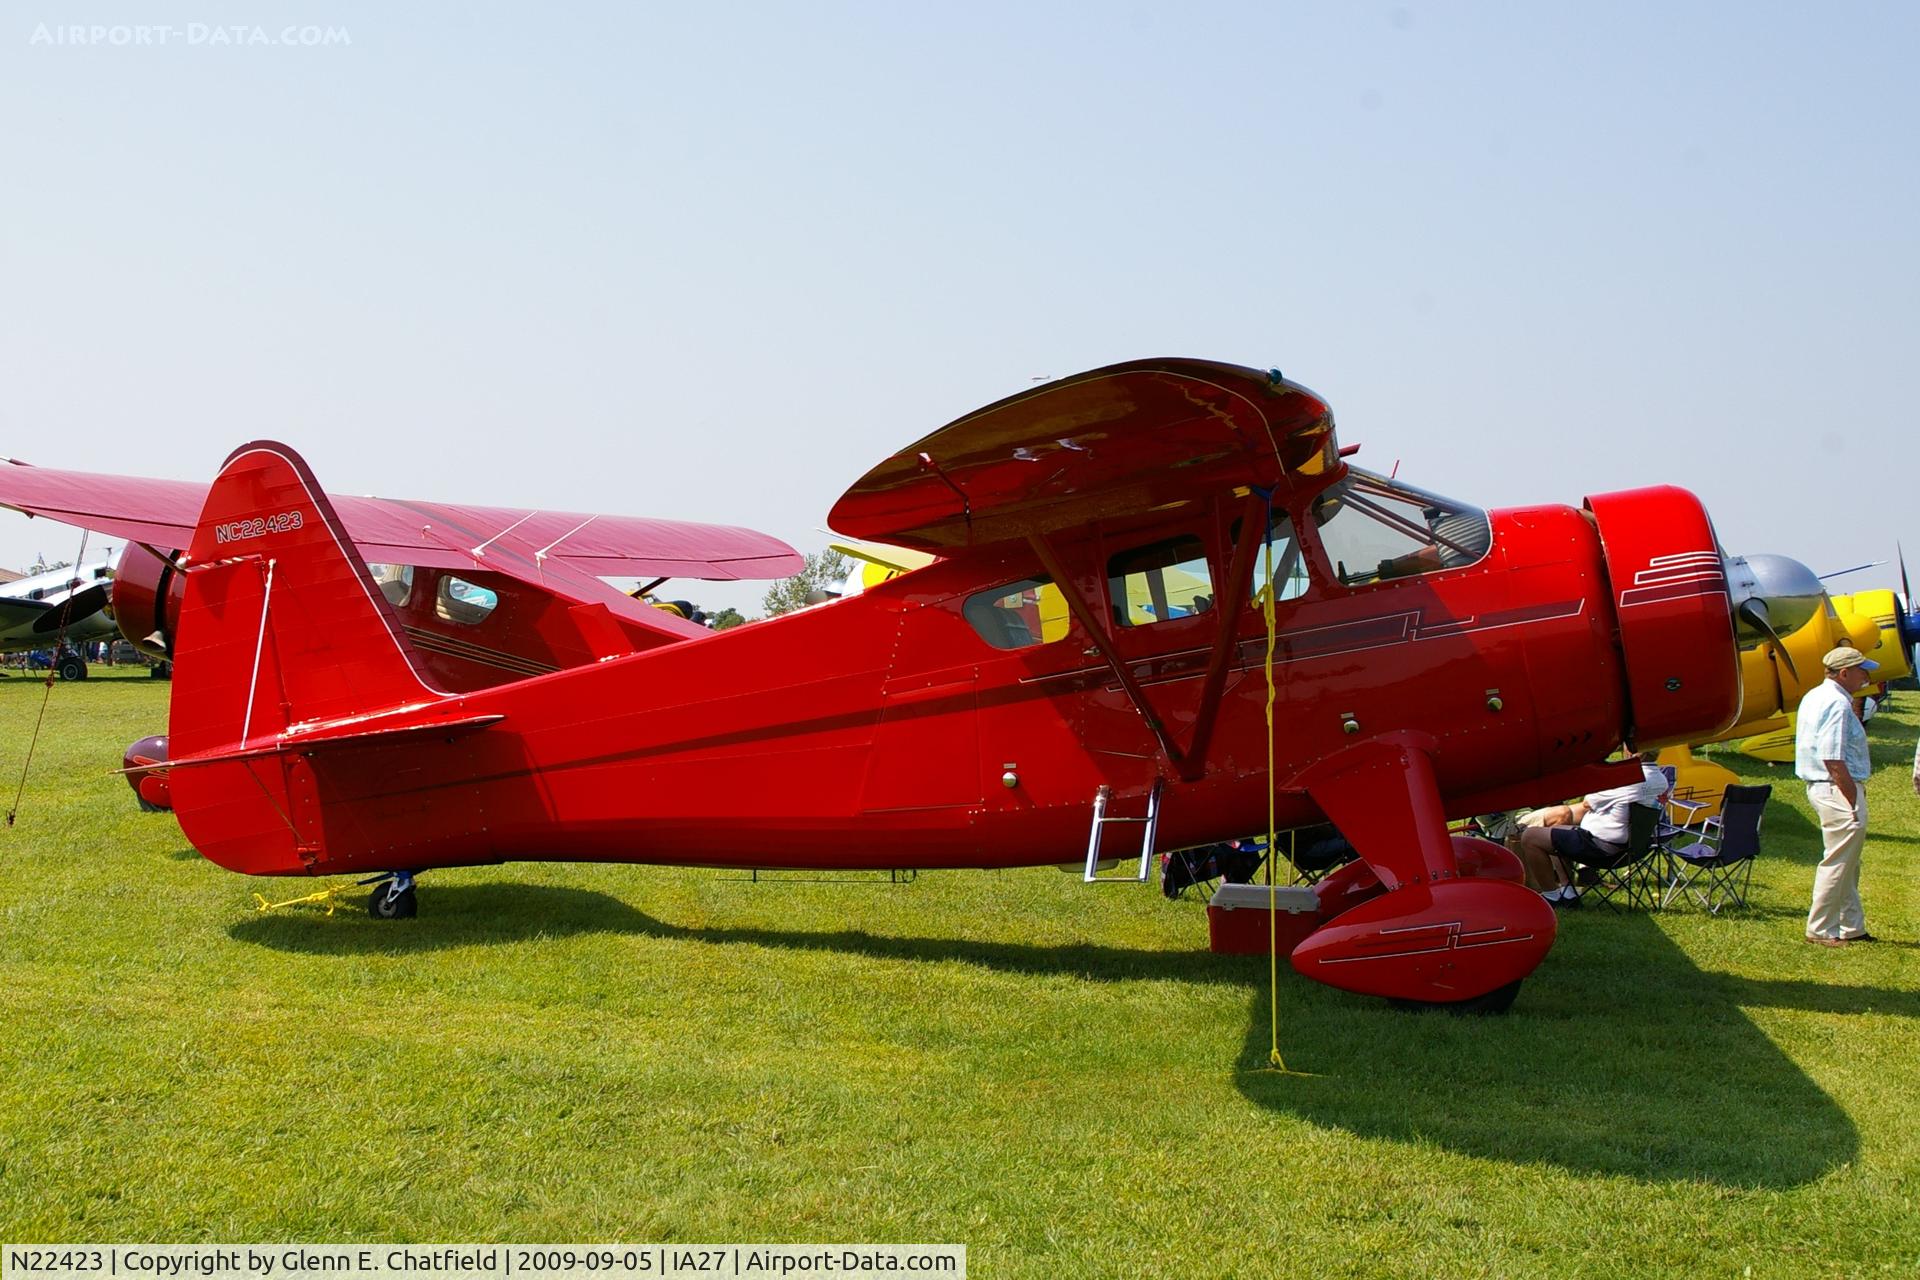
x=72 y=667
x=394 y=900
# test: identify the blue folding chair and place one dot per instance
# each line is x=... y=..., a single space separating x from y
x=1715 y=868
x=1681 y=815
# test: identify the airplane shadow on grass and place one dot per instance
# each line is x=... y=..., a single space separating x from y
x=478 y=914
x=1622 y=1056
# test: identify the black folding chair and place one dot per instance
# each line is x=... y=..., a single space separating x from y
x=1715 y=868
x=1632 y=877
x=1235 y=861
x=1317 y=851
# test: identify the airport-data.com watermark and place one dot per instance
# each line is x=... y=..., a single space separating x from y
x=187 y=35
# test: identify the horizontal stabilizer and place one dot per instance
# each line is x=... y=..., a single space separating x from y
x=321 y=738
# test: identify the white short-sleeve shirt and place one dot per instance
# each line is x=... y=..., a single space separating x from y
x=1826 y=729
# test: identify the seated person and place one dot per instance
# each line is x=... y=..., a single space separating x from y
x=1425 y=560
x=1592 y=831
x=1515 y=826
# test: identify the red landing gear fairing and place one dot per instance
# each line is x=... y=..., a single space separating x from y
x=1088 y=646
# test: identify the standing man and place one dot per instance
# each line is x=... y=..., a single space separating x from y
x=1830 y=755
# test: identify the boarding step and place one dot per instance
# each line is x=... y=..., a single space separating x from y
x=1101 y=821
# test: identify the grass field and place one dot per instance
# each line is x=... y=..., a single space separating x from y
x=1058 y=1076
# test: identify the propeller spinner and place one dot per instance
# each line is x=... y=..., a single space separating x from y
x=1772 y=597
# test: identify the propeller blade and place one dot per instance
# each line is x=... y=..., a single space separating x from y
x=1841 y=573
x=1907 y=611
x=1754 y=614
x=78 y=606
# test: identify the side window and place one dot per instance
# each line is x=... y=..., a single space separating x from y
x=395 y=582
x=1159 y=582
x=1375 y=529
x=1018 y=615
x=462 y=602
x=1279 y=561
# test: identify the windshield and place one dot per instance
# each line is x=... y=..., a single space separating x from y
x=1375 y=529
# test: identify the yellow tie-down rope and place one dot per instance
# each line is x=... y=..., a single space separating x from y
x=330 y=896
x=1274 y=1060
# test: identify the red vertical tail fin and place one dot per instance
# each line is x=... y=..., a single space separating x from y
x=282 y=625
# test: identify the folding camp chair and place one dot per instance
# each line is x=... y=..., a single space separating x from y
x=1715 y=868
x=1316 y=852
x=1631 y=879
x=1681 y=815
x=1235 y=861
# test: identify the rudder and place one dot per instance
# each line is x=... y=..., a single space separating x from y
x=282 y=625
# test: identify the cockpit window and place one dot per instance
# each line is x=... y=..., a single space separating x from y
x=1375 y=529
x=1159 y=582
x=1018 y=615
x=1279 y=561
x=463 y=602
x=395 y=582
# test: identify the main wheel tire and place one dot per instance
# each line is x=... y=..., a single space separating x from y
x=72 y=667
x=390 y=902
x=1498 y=1000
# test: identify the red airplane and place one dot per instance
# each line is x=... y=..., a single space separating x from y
x=485 y=594
x=1089 y=648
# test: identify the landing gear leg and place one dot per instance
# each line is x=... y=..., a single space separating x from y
x=1454 y=928
x=394 y=897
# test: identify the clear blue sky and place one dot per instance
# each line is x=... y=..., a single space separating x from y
x=713 y=261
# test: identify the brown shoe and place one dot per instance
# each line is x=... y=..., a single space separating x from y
x=1826 y=942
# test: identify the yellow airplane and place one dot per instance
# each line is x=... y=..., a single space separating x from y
x=1898 y=628
x=1776 y=671
x=876 y=562
x=1873 y=621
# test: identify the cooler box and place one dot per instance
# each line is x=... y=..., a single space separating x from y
x=1237 y=918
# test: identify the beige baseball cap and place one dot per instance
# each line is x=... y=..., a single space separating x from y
x=1848 y=656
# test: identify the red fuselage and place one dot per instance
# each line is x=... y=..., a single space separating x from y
x=885 y=730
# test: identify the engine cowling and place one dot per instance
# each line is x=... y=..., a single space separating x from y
x=1674 y=611
x=147 y=591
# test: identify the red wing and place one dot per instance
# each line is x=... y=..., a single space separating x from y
x=1116 y=441
x=160 y=513
x=163 y=513
x=398 y=531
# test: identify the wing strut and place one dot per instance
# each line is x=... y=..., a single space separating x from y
x=1256 y=517
x=1082 y=611
x=1188 y=764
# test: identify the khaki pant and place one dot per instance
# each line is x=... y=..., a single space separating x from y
x=1836 y=909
